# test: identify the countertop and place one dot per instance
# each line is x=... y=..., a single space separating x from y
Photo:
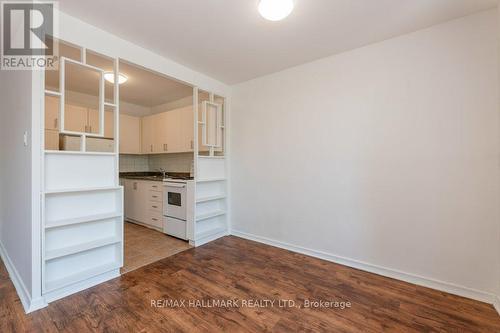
x=156 y=176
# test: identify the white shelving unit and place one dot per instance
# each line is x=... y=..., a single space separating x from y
x=210 y=216
x=82 y=206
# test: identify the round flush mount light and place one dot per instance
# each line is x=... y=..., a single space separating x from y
x=275 y=10
x=110 y=77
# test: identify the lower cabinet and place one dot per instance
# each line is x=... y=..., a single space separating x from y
x=144 y=202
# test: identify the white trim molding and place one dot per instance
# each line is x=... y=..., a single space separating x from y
x=384 y=271
x=496 y=303
x=29 y=304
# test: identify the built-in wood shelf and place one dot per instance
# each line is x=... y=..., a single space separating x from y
x=88 y=189
x=67 y=251
x=88 y=153
x=79 y=277
x=211 y=198
x=210 y=215
x=80 y=220
x=208 y=180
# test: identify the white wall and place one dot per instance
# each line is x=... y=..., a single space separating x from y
x=386 y=155
x=15 y=176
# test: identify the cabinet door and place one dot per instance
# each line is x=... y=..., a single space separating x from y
x=142 y=202
x=51 y=140
x=159 y=133
x=109 y=124
x=147 y=134
x=75 y=118
x=129 y=198
x=130 y=134
x=93 y=121
x=173 y=131
x=51 y=113
x=187 y=129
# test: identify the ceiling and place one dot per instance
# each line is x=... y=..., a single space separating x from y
x=143 y=87
x=229 y=41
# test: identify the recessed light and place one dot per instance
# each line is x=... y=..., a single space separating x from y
x=275 y=10
x=110 y=77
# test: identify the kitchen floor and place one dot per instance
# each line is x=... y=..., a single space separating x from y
x=144 y=246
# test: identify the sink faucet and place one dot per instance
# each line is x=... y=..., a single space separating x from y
x=164 y=172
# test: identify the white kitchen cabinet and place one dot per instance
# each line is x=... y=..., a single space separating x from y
x=168 y=132
x=51 y=113
x=147 y=134
x=93 y=121
x=75 y=118
x=130 y=134
x=109 y=124
x=51 y=139
x=158 y=132
x=187 y=128
x=144 y=202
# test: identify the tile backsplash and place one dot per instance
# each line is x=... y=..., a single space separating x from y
x=134 y=163
x=170 y=162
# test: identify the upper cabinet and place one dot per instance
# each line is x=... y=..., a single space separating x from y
x=168 y=132
x=51 y=113
x=130 y=134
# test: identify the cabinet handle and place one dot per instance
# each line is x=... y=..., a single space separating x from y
x=154 y=219
x=56 y=123
x=155 y=196
x=192 y=144
x=165 y=147
x=151 y=147
x=155 y=206
x=135 y=186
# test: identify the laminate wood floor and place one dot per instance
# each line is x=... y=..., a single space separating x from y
x=245 y=272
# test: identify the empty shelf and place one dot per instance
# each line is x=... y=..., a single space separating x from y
x=84 y=189
x=211 y=180
x=210 y=215
x=72 y=152
x=211 y=198
x=66 y=251
x=81 y=276
x=78 y=220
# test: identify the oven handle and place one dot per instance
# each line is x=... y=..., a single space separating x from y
x=175 y=185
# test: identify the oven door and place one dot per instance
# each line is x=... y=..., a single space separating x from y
x=175 y=200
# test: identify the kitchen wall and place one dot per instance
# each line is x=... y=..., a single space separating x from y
x=383 y=158
x=170 y=162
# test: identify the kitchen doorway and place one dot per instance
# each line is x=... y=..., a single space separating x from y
x=156 y=164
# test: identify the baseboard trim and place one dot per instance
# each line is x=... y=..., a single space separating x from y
x=387 y=272
x=496 y=304
x=208 y=239
x=29 y=304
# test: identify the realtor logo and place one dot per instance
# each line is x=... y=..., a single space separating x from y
x=27 y=30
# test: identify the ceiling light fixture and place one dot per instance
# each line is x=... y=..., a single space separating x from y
x=110 y=77
x=275 y=10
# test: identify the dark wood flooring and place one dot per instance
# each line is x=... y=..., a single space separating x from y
x=235 y=269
